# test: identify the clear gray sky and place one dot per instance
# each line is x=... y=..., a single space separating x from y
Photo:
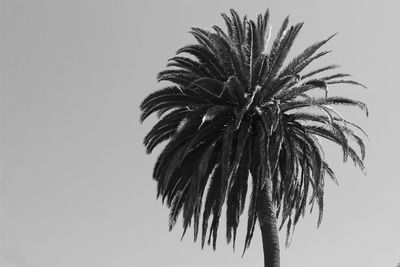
x=76 y=187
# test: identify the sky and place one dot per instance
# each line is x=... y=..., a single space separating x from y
x=76 y=187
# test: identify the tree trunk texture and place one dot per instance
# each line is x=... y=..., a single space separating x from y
x=266 y=213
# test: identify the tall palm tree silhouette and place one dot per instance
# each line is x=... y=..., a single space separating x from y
x=235 y=113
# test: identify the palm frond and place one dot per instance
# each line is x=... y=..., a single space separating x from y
x=302 y=60
x=317 y=71
x=206 y=57
x=346 y=82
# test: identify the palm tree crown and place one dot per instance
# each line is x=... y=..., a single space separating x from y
x=235 y=112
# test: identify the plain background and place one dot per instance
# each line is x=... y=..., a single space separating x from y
x=76 y=187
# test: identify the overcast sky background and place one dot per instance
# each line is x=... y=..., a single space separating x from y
x=76 y=187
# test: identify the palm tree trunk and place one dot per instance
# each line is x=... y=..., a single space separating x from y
x=267 y=219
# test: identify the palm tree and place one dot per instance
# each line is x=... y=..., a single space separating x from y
x=235 y=113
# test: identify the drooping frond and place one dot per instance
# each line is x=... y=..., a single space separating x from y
x=237 y=115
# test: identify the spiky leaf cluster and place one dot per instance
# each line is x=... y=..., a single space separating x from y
x=236 y=112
